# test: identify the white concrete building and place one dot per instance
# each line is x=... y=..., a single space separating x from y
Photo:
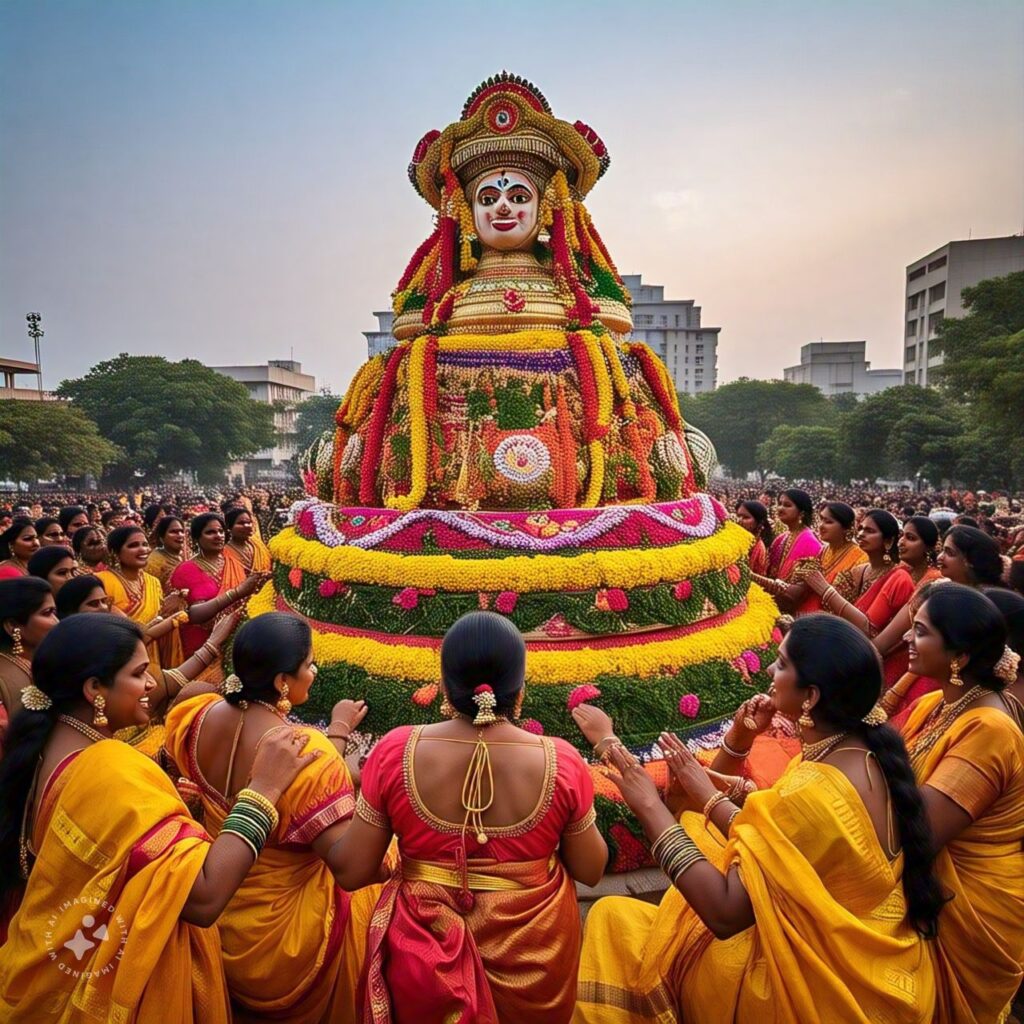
x=381 y=339
x=839 y=367
x=277 y=381
x=672 y=329
x=933 y=287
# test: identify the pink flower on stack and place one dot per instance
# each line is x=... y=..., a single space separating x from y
x=295 y=577
x=532 y=725
x=582 y=694
x=689 y=705
x=506 y=602
x=682 y=590
x=408 y=598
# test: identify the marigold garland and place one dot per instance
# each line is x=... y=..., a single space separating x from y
x=596 y=568
x=420 y=436
x=641 y=661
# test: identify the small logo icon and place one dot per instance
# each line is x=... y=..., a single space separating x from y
x=97 y=937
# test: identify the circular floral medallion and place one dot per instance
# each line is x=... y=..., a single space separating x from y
x=502 y=117
x=522 y=458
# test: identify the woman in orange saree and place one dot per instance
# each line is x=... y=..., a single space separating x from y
x=794 y=554
x=822 y=878
x=244 y=542
x=841 y=552
x=122 y=888
x=967 y=751
x=481 y=923
x=292 y=940
x=139 y=595
x=214 y=583
x=169 y=536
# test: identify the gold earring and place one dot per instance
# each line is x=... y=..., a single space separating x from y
x=448 y=709
x=886 y=559
x=284 y=705
x=17 y=648
x=99 y=719
x=954 y=674
x=804 y=721
x=517 y=711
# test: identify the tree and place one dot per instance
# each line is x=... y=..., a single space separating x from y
x=315 y=415
x=40 y=440
x=801 y=453
x=924 y=443
x=984 y=362
x=168 y=417
x=739 y=416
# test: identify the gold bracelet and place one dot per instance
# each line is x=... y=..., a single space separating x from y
x=738 y=755
x=336 y=737
x=250 y=796
x=712 y=803
x=597 y=753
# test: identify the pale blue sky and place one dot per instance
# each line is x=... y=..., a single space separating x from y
x=226 y=180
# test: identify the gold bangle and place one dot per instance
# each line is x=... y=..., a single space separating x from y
x=738 y=755
x=712 y=803
x=250 y=796
x=335 y=736
x=604 y=739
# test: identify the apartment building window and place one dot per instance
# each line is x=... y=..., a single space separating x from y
x=933 y=321
x=937 y=292
x=645 y=319
x=915 y=274
x=698 y=360
x=699 y=349
x=936 y=264
x=911 y=328
x=911 y=353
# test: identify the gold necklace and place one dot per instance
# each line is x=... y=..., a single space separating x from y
x=23 y=663
x=79 y=726
x=135 y=590
x=821 y=749
x=270 y=707
x=940 y=719
x=211 y=567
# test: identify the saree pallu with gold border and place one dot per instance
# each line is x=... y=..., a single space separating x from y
x=791 y=557
x=261 y=560
x=501 y=951
x=831 y=942
x=116 y=838
x=292 y=950
x=979 y=764
x=831 y=570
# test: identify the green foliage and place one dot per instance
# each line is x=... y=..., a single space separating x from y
x=40 y=440
x=314 y=417
x=168 y=417
x=802 y=453
x=741 y=415
x=984 y=368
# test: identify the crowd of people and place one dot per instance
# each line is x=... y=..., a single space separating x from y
x=174 y=847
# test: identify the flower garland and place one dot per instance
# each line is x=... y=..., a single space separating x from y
x=640 y=660
x=422 y=391
x=626 y=568
x=375 y=435
x=692 y=518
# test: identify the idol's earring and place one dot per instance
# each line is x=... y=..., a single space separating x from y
x=448 y=709
x=99 y=719
x=954 y=674
x=17 y=648
x=284 y=705
x=804 y=721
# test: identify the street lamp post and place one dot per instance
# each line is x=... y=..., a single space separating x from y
x=34 y=319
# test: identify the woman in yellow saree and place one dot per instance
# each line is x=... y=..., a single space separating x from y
x=122 y=888
x=244 y=542
x=293 y=941
x=815 y=909
x=169 y=553
x=139 y=596
x=967 y=751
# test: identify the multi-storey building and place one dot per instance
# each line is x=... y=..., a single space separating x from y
x=839 y=367
x=933 y=287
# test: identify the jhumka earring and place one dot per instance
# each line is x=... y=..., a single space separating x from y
x=448 y=709
x=17 y=648
x=284 y=705
x=99 y=719
x=517 y=711
x=804 y=721
x=954 y=674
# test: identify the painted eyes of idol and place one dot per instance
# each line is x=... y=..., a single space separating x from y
x=518 y=195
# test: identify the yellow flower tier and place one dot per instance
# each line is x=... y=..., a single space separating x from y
x=515 y=451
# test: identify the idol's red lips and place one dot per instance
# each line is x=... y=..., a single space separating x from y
x=503 y=225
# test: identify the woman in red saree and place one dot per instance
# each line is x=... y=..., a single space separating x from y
x=493 y=824
x=871 y=594
x=794 y=554
x=119 y=888
x=753 y=517
x=214 y=583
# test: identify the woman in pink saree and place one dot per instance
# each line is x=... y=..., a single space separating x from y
x=794 y=554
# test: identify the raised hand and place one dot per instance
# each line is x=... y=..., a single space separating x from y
x=691 y=777
x=635 y=785
x=279 y=759
x=594 y=723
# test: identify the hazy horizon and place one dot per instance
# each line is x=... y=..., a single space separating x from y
x=226 y=180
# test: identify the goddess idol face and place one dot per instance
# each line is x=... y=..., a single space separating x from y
x=505 y=206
